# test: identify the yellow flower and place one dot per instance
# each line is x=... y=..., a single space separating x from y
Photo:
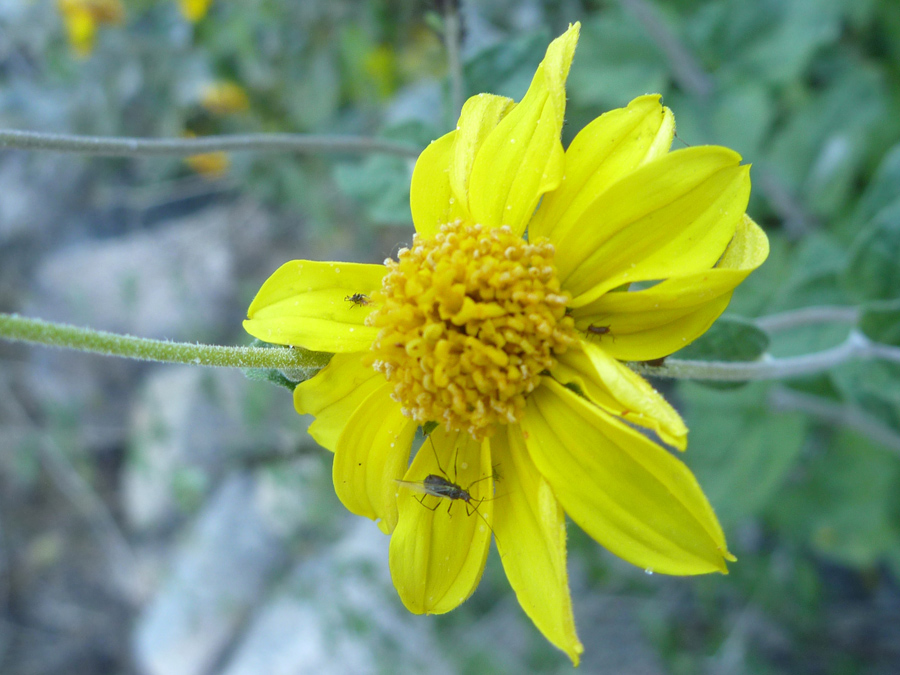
x=208 y=164
x=194 y=10
x=222 y=98
x=82 y=18
x=533 y=274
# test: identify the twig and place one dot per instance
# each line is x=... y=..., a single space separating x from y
x=689 y=75
x=856 y=347
x=807 y=316
x=829 y=412
x=452 y=39
x=146 y=147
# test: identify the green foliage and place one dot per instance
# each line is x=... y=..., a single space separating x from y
x=873 y=272
x=840 y=501
x=880 y=322
x=729 y=339
x=739 y=450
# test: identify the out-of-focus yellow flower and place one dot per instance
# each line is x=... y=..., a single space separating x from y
x=194 y=10
x=82 y=18
x=381 y=66
x=222 y=98
x=534 y=274
x=208 y=164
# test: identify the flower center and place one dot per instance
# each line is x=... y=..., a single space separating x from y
x=469 y=320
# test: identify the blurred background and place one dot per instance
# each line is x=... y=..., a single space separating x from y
x=172 y=520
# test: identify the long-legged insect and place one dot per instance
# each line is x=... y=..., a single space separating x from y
x=443 y=488
x=358 y=299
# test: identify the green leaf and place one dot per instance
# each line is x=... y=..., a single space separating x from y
x=820 y=151
x=882 y=191
x=270 y=375
x=880 y=321
x=729 y=339
x=737 y=441
x=380 y=183
x=616 y=61
x=506 y=68
x=873 y=272
x=841 y=504
x=871 y=386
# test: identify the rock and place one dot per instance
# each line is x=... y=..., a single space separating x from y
x=188 y=426
x=173 y=282
x=218 y=575
x=338 y=613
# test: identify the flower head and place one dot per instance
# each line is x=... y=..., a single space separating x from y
x=534 y=272
x=82 y=18
x=223 y=98
x=194 y=10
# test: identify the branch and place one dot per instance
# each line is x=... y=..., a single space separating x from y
x=305 y=144
x=452 y=40
x=689 y=75
x=856 y=347
x=807 y=316
x=829 y=412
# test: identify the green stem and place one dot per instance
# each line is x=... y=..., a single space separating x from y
x=35 y=331
x=857 y=347
x=307 y=144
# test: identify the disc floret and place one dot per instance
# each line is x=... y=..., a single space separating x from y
x=470 y=319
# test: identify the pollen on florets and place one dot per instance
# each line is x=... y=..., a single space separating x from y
x=469 y=319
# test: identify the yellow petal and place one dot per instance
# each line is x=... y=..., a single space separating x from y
x=440 y=546
x=628 y=493
x=672 y=216
x=610 y=147
x=479 y=118
x=522 y=158
x=530 y=529
x=430 y=198
x=620 y=391
x=660 y=320
x=334 y=394
x=310 y=304
x=371 y=454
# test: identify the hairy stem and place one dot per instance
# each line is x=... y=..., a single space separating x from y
x=856 y=347
x=35 y=331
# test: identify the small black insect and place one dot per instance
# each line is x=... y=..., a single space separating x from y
x=443 y=488
x=358 y=299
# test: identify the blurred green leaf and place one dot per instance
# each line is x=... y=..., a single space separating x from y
x=814 y=277
x=616 y=62
x=741 y=118
x=880 y=321
x=872 y=386
x=739 y=448
x=841 y=502
x=882 y=191
x=728 y=339
x=506 y=68
x=380 y=183
x=821 y=148
x=873 y=272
